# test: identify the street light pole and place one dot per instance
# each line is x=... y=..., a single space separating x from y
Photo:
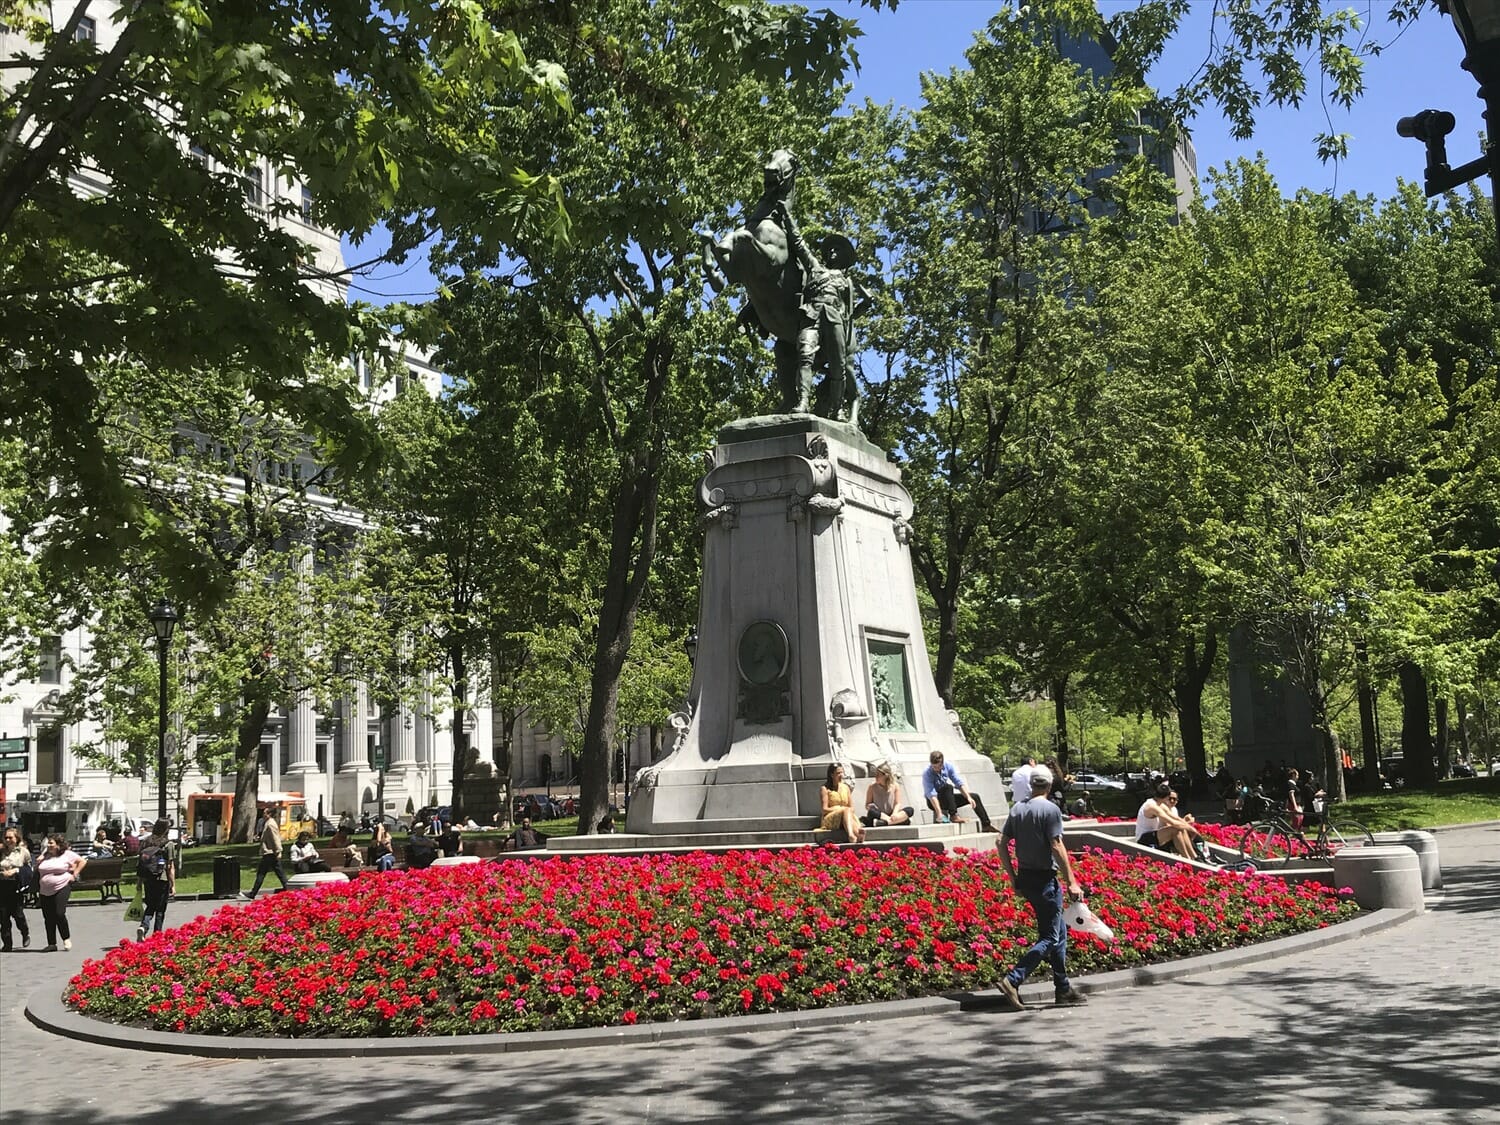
x=163 y=621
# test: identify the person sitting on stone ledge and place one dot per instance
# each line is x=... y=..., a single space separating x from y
x=305 y=858
x=1195 y=838
x=838 y=806
x=606 y=825
x=382 y=855
x=450 y=840
x=883 y=805
x=422 y=852
x=946 y=792
x=526 y=837
x=1157 y=824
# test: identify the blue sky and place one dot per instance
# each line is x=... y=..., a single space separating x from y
x=1419 y=69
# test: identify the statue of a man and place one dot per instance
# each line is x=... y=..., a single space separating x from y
x=808 y=305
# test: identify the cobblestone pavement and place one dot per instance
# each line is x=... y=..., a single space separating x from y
x=1401 y=1026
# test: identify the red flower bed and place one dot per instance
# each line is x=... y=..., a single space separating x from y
x=608 y=940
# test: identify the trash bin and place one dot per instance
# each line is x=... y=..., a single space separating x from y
x=226 y=876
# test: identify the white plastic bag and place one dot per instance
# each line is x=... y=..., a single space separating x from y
x=1079 y=917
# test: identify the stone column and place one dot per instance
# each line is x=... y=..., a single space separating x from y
x=422 y=720
x=354 y=775
x=302 y=735
x=353 y=748
x=402 y=751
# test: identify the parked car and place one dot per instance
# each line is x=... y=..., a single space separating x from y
x=1393 y=769
x=1463 y=769
x=1096 y=782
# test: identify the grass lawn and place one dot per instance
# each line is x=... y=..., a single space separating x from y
x=197 y=874
x=1452 y=802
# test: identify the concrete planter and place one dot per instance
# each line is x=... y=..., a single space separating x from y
x=1383 y=876
x=1426 y=846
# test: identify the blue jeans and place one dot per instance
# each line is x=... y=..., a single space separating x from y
x=1044 y=892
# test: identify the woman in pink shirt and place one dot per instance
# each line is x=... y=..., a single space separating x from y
x=56 y=873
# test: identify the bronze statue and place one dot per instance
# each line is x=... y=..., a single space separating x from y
x=807 y=304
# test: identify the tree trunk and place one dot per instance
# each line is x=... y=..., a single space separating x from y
x=1486 y=736
x=1369 y=736
x=1060 y=709
x=247 y=770
x=1444 y=757
x=502 y=746
x=624 y=583
x=1416 y=726
x=1192 y=675
x=460 y=736
x=947 y=653
x=1333 y=762
x=1461 y=719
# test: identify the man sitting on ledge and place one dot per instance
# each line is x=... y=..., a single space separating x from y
x=526 y=837
x=946 y=793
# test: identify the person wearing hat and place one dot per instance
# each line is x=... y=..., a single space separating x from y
x=1036 y=829
x=825 y=339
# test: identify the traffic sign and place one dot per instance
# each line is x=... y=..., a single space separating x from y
x=379 y=758
x=13 y=755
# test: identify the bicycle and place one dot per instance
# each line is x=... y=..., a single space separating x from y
x=1272 y=841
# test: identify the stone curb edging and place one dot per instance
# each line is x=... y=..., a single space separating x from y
x=1456 y=827
x=47 y=1011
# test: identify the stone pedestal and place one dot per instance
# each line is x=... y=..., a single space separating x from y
x=810 y=646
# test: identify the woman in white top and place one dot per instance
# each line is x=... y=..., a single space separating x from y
x=1157 y=825
x=56 y=874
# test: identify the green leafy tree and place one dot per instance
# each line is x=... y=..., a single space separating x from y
x=623 y=351
x=1429 y=273
x=173 y=260
x=1007 y=163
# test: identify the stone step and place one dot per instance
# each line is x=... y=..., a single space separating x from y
x=753 y=834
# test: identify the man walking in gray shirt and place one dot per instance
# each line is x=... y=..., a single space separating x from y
x=1037 y=829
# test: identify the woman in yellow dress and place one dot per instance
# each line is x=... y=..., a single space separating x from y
x=838 y=806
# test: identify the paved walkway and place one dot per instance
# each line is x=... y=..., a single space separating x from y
x=1400 y=1026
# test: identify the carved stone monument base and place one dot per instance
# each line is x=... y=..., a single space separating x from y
x=810 y=646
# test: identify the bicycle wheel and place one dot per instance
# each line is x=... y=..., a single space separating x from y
x=1267 y=843
x=1341 y=834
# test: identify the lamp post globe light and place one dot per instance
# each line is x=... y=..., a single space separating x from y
x=163 y=621
x=1478 y=25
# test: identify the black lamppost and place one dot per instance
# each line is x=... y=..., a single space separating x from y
x=1478 y=24
x=163 y=621
x=690 y=646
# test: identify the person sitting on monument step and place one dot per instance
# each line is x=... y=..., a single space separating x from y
x=1157 y=825
x=883 y=801
x=946 y=792
x=838 y=806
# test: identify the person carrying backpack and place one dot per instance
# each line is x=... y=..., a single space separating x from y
x=157 y=871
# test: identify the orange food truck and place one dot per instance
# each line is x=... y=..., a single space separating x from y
x=210 y=814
